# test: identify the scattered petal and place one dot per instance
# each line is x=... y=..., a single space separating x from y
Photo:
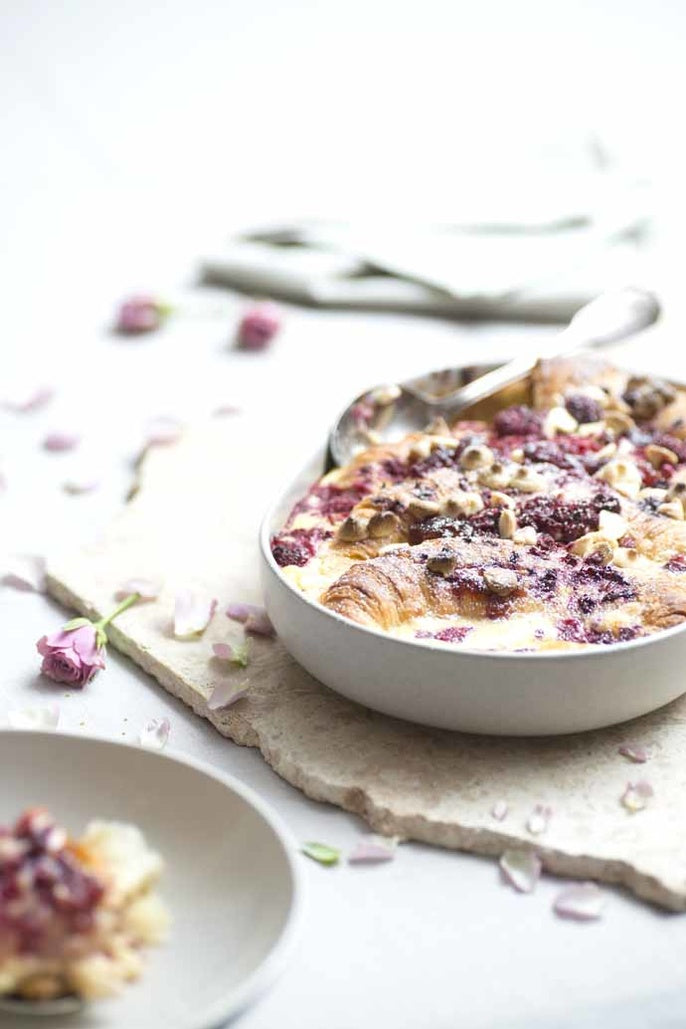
x=147 y=589
x=224 y=410
x=322 y=853
x=140 y=314
x=238 y=654
x=522 y=869
x=25 y=572
x=583 y=902
x=162 y=431
x=226 y=694
x=539 y=819
x=34 y=717
x=634 y=753
x=373 y=848
x=29 y=400
x=192 y=614
x=258 y=326
x=83 y=483
x=499 y=810
x=255 y=619
x=59 y=441
x=155 y=734
x=636 y=795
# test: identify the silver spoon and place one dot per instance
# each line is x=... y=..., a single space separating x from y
x=391 y=412
x=42 y=1008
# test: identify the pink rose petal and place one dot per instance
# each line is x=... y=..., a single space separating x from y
x=499 y=810
x=34 y=717
x=155 y=734
x=373 y=848
x=192 y=614
x=636 y=795
x=224 y=410
x=226 y=694
x=521 y=869
x=25 y=572
x=583 y=902
x=254 y=618
x=258 y=326
x=539 y=819
x=29 y=400
x=239 y=654
x=84 y=482
x=59 y=441
x=147 y=589
x=161 y=432
x=634 y=753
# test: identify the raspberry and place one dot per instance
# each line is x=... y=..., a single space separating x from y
x=297 y=546
x=583 y=408
x=518 y=421
x=565 y=521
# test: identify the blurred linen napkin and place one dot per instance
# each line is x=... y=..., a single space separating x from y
x=535 y=254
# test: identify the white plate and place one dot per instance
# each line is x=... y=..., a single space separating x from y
x=473 y=691
x=231 y=882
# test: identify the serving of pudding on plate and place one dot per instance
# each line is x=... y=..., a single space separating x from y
x=555 y=525
x=75 y=914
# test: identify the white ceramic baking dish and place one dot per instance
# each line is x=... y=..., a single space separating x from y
x=471 y=691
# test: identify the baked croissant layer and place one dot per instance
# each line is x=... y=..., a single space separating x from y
x=557 y=524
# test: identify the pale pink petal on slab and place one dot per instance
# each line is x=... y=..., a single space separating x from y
x=226 y=694
x=639 y=755
x=373 y=848
x=35 y=716
x=162 y=431
x=24 y=572
x=499 y=810
x=147 y=589
x=155 y=734
x=62 y=440
x=583 y=902
x=238 y=654
x=636 y=795
x=81 y=482
x=521 y=869
x=31 y=399
x=192 y=614
x=259 y=625
x=539 y=818
x=241 y=612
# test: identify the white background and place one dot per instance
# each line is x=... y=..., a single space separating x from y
x=134 y=137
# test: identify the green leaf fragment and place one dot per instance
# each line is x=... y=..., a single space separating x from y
x=76 y=623
x=322 y=853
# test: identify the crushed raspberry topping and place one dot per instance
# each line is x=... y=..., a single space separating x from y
x=518 y=421
x=45 y=893
x=453 y=634
x=297 y=546
x=565 y=521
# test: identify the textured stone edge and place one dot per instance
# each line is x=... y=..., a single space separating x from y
x=484 y=842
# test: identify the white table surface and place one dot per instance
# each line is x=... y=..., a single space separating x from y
x=133 y=138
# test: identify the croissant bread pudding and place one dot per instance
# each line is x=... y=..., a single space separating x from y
x=75 y=914
x=556 y=525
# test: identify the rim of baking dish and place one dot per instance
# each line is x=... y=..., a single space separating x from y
x=591 y=650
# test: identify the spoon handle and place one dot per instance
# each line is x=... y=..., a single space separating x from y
x=611 y=317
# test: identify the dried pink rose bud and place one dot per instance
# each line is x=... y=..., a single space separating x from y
x=72 y=656
x=139 y=314
x=258 y=326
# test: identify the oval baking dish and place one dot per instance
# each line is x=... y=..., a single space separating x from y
x=426 y=681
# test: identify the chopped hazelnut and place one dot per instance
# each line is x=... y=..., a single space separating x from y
x=526 y=536
x=420 y=509
x=498 y=499
x=353 y=528
x=501 y=581
x=672 y=509
x=498 y=476
x=477 y=456
x=606 y=452
x=462 y=504
x=442 y=563
x=527 y=480
x=612 y=526
x=558 y=419
x=591 y=429
x=517 y=455
x=384 y=523
x=507 y=523
x=618 y=423
x=624 y=476
x=660 y=455
x=594 y=543
x=420 y=449
x=438 y=427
